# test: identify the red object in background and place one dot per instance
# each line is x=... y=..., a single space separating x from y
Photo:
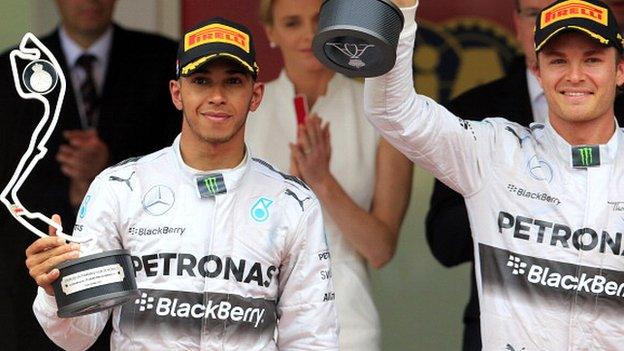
x=270 y=60
x=301 y=108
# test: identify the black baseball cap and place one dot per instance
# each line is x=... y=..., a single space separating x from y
x=592 y=17
x=216 y=38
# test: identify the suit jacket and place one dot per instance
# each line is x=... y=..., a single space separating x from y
x=136 y=118
x=447 y=226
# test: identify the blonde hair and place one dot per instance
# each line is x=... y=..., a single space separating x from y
x=265 y=12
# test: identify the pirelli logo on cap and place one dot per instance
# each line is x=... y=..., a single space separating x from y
x=216 y=33
x=574 y=9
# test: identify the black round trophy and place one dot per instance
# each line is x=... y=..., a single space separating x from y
x=358 y=38
x=95 y=282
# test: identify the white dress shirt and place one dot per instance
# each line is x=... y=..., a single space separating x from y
x=72 y=51
x=538 y=100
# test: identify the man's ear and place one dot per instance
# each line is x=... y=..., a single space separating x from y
x=256 y=97
x=619 y=71
x=176 y=96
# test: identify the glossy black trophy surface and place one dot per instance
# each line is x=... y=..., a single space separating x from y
x=358 y=38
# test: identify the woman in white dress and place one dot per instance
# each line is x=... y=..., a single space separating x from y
x=362 y=182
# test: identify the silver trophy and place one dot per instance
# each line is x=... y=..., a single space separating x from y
x=358 y=38
x=97 y=280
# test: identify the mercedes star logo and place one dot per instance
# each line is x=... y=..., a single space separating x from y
x=540 y=170
x=158 y=200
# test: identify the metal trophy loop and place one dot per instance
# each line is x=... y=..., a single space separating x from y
x=92 y=282
x=358 y=38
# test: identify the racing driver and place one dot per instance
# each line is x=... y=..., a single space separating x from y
x=229 y=253
x=545 y=203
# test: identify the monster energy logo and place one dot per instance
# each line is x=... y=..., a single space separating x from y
x=586 y=156
x=211 y=185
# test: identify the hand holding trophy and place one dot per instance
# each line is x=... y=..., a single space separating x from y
x=82 y=285
x=358 y=38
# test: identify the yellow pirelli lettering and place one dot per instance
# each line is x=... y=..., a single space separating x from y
x=574 y=8
x=216 y=33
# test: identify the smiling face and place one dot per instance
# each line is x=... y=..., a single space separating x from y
x=579 y=77
x=294 y=23
x=215 y=102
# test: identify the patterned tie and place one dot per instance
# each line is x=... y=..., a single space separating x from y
x=90 y=98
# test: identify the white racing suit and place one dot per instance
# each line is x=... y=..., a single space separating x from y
x=548 y=236
x=224 y=260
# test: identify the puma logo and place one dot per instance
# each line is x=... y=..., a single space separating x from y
x=290 y=193
x=122 y=180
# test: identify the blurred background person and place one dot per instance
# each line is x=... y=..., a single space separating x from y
x=114 y=108
x=518 y=97
x=362 y=182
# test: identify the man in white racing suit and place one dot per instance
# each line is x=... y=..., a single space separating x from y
x=228 y=253
x=546 y=203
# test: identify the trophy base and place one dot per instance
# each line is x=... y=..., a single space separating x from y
x=358 y=38
x=94 y=283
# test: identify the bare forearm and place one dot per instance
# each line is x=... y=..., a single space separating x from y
x=370 y=236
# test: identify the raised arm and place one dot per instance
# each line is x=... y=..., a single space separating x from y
x=373 y=231
x=456 y=151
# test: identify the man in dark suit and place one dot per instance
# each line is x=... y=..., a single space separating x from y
x=516 y=97
x=117 y=108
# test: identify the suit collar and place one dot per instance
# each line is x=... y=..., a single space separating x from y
x=100 y=48
x=214 y=182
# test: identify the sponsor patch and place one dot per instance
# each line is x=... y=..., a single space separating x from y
x=585 y=156
x=560 y=235
x=617 y=206
x=574 y=9
x=122 y=180
x=294 y=196
x=211 y=185
x=260 y=209
x=186 y=311
x=540 y=170
x=216 y=33
x=83 y=208
x=158 y=200
x=163 y=230
x=540 y=196
x=209 y=266
x=549 y=279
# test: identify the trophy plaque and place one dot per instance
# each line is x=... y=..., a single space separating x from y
x=358 y=38
x=95 y=281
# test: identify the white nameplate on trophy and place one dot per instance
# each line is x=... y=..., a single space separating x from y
x=92 y=278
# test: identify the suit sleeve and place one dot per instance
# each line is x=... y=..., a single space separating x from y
x=306 y=311
x=456 y=151
x=447 y=227
x=96 y=217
